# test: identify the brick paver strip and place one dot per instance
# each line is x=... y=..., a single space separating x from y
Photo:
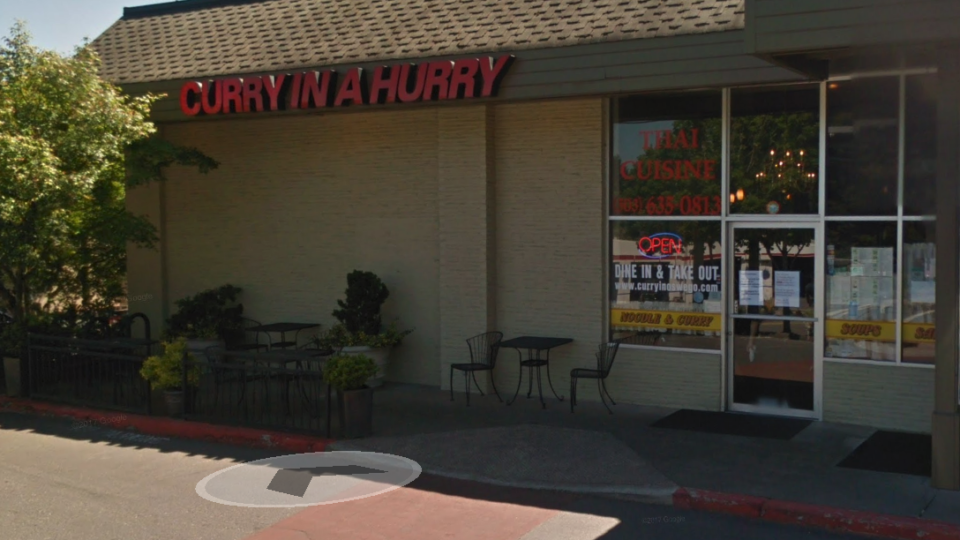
x=410 y=514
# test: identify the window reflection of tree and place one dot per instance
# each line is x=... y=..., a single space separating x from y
x=862 y=143
x=775 y=158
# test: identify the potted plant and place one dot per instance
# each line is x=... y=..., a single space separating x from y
x=12 y=340
x=359 y=331
x=349 y=374
x=210 y=318
x=165 y=372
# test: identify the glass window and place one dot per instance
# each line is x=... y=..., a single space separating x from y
x=666 y=276
x=861 y=290
x=919 y=293
x=920 y=146
x=666 y=158
x=774 y=150
x=862 y=146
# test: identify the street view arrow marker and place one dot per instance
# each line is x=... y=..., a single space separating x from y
x=296 y=481
x=300 y=480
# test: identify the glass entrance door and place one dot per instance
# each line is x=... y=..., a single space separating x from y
x=772 y=325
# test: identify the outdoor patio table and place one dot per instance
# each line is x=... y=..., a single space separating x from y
x=535 y=347
x=282 y=328
x=296 y=357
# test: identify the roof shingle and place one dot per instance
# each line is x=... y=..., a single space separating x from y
x=273 y=35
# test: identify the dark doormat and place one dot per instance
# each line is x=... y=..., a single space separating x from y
x=744 y=425
x=892 y=452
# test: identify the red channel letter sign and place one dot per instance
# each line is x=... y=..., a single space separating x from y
x=402 y=83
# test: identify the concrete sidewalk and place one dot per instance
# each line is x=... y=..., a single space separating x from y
x=531 y=456
x=594 y=452
x=591 y=452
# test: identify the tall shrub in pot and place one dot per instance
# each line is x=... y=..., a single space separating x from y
x=209 y=318
x=349 y=375
x=360 y=311
x=165 y=372
x=361 y=328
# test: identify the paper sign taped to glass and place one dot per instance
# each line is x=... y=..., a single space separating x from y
x=786 y=289
x=751 y=287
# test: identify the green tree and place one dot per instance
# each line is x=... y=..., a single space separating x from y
x=70 y=145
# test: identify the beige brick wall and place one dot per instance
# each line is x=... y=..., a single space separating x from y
x=667 y=378
x=549 y=162
x=891 y=397
x=299 y=202
x=466 y=230
x=145 y=286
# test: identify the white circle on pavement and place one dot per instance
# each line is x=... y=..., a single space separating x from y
x=308 y=479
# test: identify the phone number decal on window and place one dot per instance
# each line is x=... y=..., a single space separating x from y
x=668 y=205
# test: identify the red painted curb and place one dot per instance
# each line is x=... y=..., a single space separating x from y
x=810 y=515
x=725 y=503
x=170 y=427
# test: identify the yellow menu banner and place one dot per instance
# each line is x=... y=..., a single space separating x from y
x=919 y=333
x=879 y=331
x=675 y=320
x=861 y=330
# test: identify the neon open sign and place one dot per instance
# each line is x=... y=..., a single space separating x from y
x=660 y=245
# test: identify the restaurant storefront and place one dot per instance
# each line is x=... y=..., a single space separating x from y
x=789 y=231
x=767 y=195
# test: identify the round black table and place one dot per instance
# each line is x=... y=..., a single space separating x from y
x=536 y=347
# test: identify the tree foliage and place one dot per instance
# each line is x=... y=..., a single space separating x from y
x=70 y=145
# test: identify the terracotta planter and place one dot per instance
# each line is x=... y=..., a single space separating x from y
x=380 y=356
x=356 y=412
x=11 y=373
x=173 y=399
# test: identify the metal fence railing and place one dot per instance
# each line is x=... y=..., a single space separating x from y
x=276 y=389
x=98 y=373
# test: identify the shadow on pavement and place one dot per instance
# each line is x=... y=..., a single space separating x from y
x=102 y=433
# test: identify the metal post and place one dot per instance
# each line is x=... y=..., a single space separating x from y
x=183 y=380
x=26 y=364
x=946 y=420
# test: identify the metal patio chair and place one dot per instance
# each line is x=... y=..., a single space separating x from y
x=228 y=368
x=483 y=357
x=248 y=344
x=605 y=357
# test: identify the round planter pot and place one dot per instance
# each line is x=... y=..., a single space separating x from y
x=356 y=412
x=173 y=399
x=380 y=356
x=11 y=373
